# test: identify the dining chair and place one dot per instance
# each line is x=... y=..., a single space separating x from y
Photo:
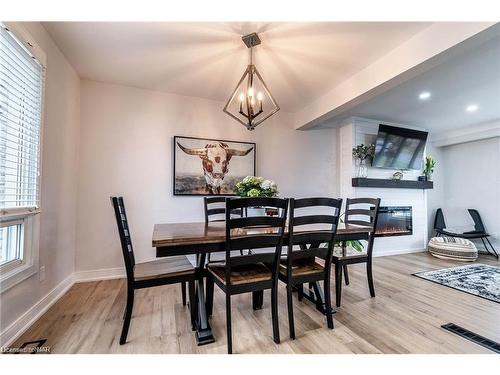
x=306 y=232
x=168 y=270
x=215 y=211
x=364 y=212
x=250 y=272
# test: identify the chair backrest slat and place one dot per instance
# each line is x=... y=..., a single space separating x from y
x=312 y=236
x=256 y=232
x=215 y=209
x=322 y=229
x=255 y=242
x=124 y=233
x=313 y=219
x=255 y=221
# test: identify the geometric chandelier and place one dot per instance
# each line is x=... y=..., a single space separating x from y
x=251 y=101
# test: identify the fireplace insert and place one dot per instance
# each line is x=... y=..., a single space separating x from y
x=394 y=221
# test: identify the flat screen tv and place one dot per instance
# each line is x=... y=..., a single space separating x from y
x=399 y=148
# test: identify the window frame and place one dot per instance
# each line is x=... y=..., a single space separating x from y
x=12 y=273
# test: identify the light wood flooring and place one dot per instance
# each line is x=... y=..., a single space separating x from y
x=404 y=317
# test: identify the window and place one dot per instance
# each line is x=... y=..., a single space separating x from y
x=21 y=98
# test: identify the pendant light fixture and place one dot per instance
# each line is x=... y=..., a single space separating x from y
x=251 y=101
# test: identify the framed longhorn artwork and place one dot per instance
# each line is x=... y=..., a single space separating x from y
x=205 y=166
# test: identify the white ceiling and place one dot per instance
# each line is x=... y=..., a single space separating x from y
x=299 y=61
x=470 y=78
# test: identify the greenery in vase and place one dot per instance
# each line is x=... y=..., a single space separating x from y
x=429 y=165
x=363 y=152
x=252 y=186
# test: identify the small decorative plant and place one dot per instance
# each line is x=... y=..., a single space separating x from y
x=362 y=153
x=252 y=186
x=429 y=165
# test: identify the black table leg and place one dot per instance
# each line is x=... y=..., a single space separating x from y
x=316 y=296
x=203 y=330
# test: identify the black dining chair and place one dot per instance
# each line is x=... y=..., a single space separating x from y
x=215 y=211
x=250 y=272
x=359 y=211
x=307 y=232
x=168 y=270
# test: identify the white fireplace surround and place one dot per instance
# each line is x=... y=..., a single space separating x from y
x=354 y=131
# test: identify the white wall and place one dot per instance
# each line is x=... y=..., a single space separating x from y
x=58 y=185
x=355 y=131
x=471 y=172
x=126 y=149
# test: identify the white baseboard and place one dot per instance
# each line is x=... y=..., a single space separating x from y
x=102 y=274
x=18 y=327
x=397 y=252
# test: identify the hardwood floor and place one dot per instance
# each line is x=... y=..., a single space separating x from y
x=405 y=317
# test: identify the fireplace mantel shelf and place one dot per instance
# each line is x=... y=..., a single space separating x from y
x=392 y=184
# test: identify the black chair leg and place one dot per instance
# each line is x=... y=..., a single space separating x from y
x=192 y=304
x=338 y=283
x=274 y=313
x=492 y=248
x=228 y=325
x=370 y=277
x=328 y=302
x=485 y=246
x=183 y=290
x=291 y=324
x=128 y=315
x=300 y=291
x=346 y=275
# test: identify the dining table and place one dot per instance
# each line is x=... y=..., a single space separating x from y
x=201 y=238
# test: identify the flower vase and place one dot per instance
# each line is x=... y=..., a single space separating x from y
x=428 y=175
x=362 y=169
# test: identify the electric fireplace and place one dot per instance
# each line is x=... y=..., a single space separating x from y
x=394 y=221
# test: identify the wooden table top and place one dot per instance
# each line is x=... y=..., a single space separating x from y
x=202 y=233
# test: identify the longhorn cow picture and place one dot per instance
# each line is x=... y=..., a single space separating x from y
x=210 y=166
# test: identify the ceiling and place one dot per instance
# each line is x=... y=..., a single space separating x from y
x=471 y=78
x=299 y=61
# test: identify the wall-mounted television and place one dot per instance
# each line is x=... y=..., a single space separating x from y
x=399 y=148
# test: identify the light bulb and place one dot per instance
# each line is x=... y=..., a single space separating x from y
x=242 y=97
x=259 y=96
x=250 y=92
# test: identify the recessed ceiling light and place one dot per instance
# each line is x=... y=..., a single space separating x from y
x=472 y=108
x=424 y=95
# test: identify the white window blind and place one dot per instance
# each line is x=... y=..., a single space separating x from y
x=21 y=92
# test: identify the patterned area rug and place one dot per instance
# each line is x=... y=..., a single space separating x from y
x=479 y=279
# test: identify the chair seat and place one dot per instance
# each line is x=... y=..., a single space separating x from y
x=245 y=274
x=302 y=268
x=165 y=267
x=350 y=253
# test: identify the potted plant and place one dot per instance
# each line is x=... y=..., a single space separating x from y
x=429 y=165
x=361 y=153
x=252 y=186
